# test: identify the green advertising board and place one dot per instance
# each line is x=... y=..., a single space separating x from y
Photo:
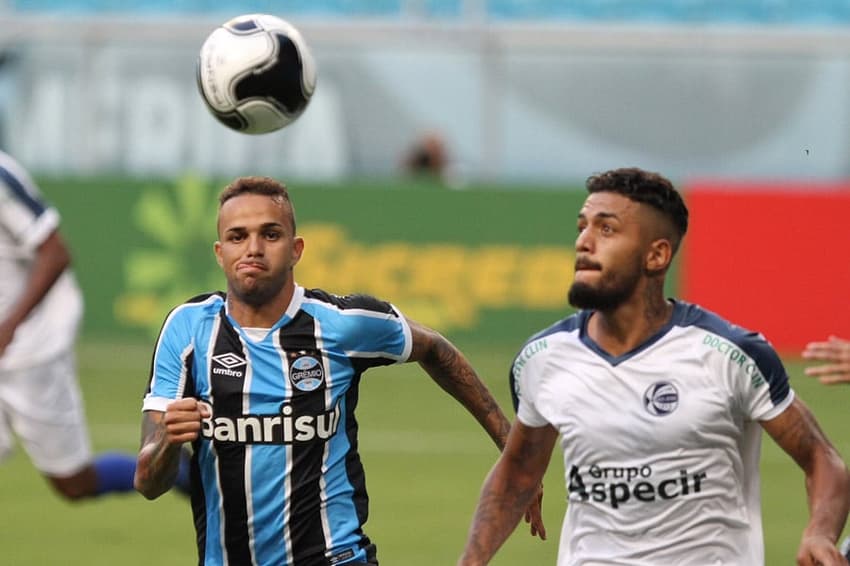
x=488 y=264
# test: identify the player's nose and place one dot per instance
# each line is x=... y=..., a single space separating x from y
x=584 y=241
x=255 y=245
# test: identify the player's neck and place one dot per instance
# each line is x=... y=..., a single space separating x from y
x=626 y=327
x=264 y=315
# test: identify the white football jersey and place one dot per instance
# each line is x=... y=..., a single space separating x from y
x=661 y=445
x=25 y=222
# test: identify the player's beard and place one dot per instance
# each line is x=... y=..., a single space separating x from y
x=262 y=291
x=611 y=291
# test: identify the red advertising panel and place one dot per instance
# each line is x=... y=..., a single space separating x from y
x=771 y=257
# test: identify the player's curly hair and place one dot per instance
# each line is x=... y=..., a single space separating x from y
x=647 y=187
x=258 y=185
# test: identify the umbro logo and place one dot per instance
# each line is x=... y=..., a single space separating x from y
x=228 y=362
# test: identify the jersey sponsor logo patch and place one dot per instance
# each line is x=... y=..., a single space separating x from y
x=620 y=485
x=306 y=373
x=288 y=427
x=527 y=353
x=737 y=356
x=227 y=364
x=661 y=399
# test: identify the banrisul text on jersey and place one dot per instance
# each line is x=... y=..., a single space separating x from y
x=282 y=428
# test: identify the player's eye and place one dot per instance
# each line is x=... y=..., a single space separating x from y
x=273 y=235
x=235 y=237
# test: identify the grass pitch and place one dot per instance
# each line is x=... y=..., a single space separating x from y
x=425 y=459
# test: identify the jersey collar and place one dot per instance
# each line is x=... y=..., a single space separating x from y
x=584 y=318
x=291 y=310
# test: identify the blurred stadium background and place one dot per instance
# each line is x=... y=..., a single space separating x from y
x=744 y=104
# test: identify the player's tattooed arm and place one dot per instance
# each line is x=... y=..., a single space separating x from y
x=827 y=481
x=156 y=467
x=452 y=371
x=163 y=434
x=509 y=489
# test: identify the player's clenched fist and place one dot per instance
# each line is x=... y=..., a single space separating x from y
x=163 y=433
x=183 y=418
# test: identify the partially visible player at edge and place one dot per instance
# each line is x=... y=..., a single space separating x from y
x=40 y=311
x=263 y=381
x=835 y=352
x=659 y=406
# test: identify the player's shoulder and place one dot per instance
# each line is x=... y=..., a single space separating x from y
x=13 y=175
x=533 y=356
x=196 y=308
x=718 y=333
x=356 y=302
x=566 y=326
x=689 y=315
x=538 y=343
x=17 y=186
x=10 y=163
x=741 y=351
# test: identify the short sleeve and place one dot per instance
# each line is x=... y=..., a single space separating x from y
x=172 y=362
x=761 y=380
x=23 y=213
x=524 y=378
x=367 y=329
x=385 y=333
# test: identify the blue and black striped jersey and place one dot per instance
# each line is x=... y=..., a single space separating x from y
x=277 y=464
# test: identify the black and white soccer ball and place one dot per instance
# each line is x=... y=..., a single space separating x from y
x=256 y=73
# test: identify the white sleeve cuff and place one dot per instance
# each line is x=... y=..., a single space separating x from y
x=43 y=226
x=156 y=403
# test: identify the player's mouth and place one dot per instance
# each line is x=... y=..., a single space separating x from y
x=250 y=266
x=584 y=264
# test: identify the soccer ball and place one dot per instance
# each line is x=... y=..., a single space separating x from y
x=256 y=73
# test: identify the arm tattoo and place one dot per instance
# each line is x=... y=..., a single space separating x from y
x=508 y=491
x=158 y=460
x=451 y=370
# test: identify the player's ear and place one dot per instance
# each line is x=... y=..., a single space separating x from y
x=297 y=250
x=659 y=255
x=217 y=250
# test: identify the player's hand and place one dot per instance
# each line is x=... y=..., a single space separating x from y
x=534 y=515
x=183 y=420
x=836 y=351
x=818 y=550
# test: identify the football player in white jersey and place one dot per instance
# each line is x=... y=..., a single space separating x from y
x=40 y=311
x=659 y=406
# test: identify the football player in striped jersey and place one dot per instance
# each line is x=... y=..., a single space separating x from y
x=263 y=381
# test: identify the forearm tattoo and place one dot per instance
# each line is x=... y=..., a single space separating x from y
x=158 y=459
x=507 y=494
x=451 y=370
